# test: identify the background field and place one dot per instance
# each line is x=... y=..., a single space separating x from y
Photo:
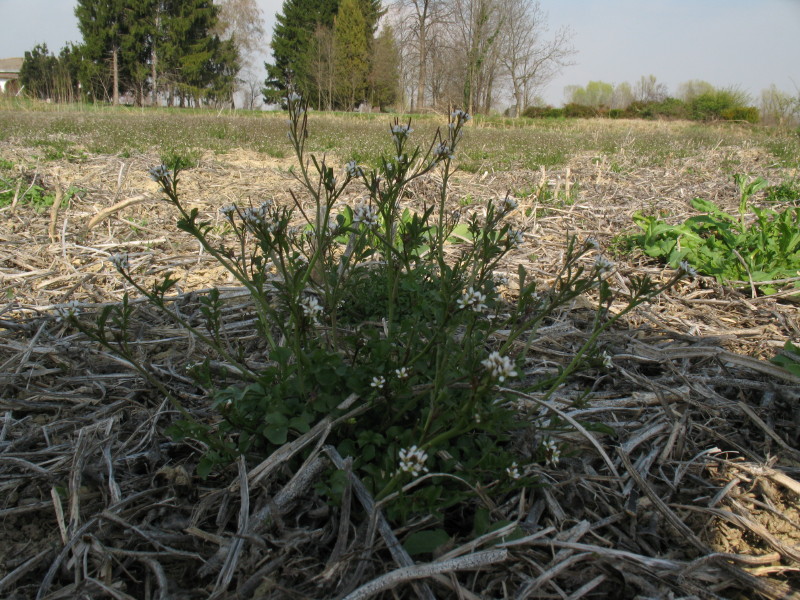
x=700 y=495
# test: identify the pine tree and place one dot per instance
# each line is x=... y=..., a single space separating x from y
x=351 y=54
x=292 y=48
x=102 y=25
x=384 y=77
x=196 y=64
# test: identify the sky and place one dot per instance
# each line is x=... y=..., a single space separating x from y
x=748 y=44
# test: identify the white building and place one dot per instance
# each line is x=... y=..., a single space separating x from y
x=9 y=75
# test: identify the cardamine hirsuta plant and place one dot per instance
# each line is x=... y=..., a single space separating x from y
x=394 y=321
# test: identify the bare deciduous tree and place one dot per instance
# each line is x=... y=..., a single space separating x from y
x=530 y=60
x=243 y=21
x=469 y=51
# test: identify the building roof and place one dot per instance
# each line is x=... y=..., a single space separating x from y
x=10 y=65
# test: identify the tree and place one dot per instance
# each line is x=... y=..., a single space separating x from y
x=596 y=94
x=102 y=25
x=689 y=90
x=291 y=41
x=529 y=60
x=322 y=68
x=242 y=22
x=647 y=89
x=778 y=107
x=200 y=66
x=36 y=73
x=47 y=77
x=352 y=53
x=623 y=96
x=384 y=76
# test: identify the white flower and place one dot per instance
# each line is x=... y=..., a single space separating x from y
x=253 y=217
x=120 y=261
x=378 y=382
x=442 y=151
x=552 y=453
x=353 y=170
x=364 y=213
x=607 y=362
x=401 y=373
x=460 y=115
x=472 y=299
x=311 y=308
x=508 y=204
x=513 y=471
x=412 y=461
x=515 y=238
x=401 y=130
x=70 y=309
x=500 y=366
x=687 y=268
x=228 y=210
x=592 y=243
x=160 y=172
x=603 y=265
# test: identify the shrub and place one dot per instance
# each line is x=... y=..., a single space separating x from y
x=722 y=105
x=542 y=112
x=579 y=111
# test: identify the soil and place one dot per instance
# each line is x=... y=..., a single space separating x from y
x=697 y=495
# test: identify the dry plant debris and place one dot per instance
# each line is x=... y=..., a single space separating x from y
x=695 y=495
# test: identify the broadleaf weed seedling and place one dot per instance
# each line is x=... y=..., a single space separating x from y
x=365 y=309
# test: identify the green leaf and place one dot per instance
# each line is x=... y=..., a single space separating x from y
x=426 y=541
x=276 y=434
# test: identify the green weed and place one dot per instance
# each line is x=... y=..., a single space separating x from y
x=732 y=248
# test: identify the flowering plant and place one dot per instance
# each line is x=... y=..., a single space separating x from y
x=368 y=320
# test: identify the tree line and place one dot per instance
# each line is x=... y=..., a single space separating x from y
x=173 y=52
x=694 y=100
x=428 y=54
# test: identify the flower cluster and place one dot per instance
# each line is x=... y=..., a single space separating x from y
x=603 y=265
x=460 y=116
x=508 y=204
x=472 y=299
x=160 y=173
x=120 y=261
x=500 y=366
x=366 y=214
x=513 y=471
x=311 y=308
x=412 y=461
x=443 y=151
x=551 y=452
x=515 y=238
x=353 y=170
x=687 y=268
x=400 y=131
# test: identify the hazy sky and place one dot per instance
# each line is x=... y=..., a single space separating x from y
x=746 y=43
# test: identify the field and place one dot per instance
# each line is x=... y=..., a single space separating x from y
x=679 y=476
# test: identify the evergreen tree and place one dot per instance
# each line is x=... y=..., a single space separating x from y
x=351 y=54
x=102 y=25
x=36 y=73
x=384 y=77
x=46 y=76
x=195 y=64
x=292 y=47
